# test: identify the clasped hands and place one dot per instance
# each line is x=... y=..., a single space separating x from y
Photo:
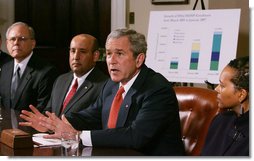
x=46 y=123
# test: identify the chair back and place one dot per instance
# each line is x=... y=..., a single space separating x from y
x=197 y=107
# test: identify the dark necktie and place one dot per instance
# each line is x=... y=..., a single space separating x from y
x=115 y=107
x=15 y=82
x=70 y=94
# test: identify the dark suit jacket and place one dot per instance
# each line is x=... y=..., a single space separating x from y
x=148 y=119
x=4 y=57
x=86 y=94
x=35 y=85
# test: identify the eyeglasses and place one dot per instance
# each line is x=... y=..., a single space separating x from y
x=19 y=39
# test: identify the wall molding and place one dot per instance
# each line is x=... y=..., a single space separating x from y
x=118 y=14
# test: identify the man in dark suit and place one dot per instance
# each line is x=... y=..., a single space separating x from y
x=83 y=56
x=33 y=76
x=148 y=118
x=82 y=59
x=4 y=57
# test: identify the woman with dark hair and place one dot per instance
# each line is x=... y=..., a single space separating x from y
x=229 y=131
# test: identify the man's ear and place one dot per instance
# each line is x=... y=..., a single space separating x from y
x=140 y=59
x=96 y=55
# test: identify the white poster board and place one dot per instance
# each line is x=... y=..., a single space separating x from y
x=192 y=46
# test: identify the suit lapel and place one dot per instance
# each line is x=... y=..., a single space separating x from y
x=82 y=90
x=107 y=104
x=7 y=73
x=25 y=78
x=126 y=105
x=65 y=87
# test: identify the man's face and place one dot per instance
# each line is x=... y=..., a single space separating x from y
x=82 y=58
x=122 y=65
x=19 y=42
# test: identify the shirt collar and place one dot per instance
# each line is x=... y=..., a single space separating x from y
x=82 y=78
x=22 y=64
x=128 y=85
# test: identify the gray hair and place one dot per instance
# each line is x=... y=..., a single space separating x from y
x=31 y=30
x=137 y=40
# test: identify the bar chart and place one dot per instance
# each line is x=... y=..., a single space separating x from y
x=192 y=46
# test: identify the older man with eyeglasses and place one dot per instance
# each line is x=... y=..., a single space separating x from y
x=26 y=79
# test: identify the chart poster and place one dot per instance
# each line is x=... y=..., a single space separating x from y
x=192 y=46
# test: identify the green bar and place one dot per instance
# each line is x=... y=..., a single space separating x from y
x=193 y=66
x=173 y=66
x=214 y=65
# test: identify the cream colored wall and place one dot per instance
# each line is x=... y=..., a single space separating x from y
x=142 y=8
x=244 y=28
x=6 y=18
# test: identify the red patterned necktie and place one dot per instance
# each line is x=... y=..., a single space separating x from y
x=114 y=110
x=70 y=94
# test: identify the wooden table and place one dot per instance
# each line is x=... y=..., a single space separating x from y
x=5 y=150
x=58 y=151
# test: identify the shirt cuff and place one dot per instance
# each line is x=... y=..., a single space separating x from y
x=85 y=136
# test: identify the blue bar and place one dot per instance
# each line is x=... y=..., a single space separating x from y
x=194 y=60
x=216 y=42
x=215 y=56
x=194 y=54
